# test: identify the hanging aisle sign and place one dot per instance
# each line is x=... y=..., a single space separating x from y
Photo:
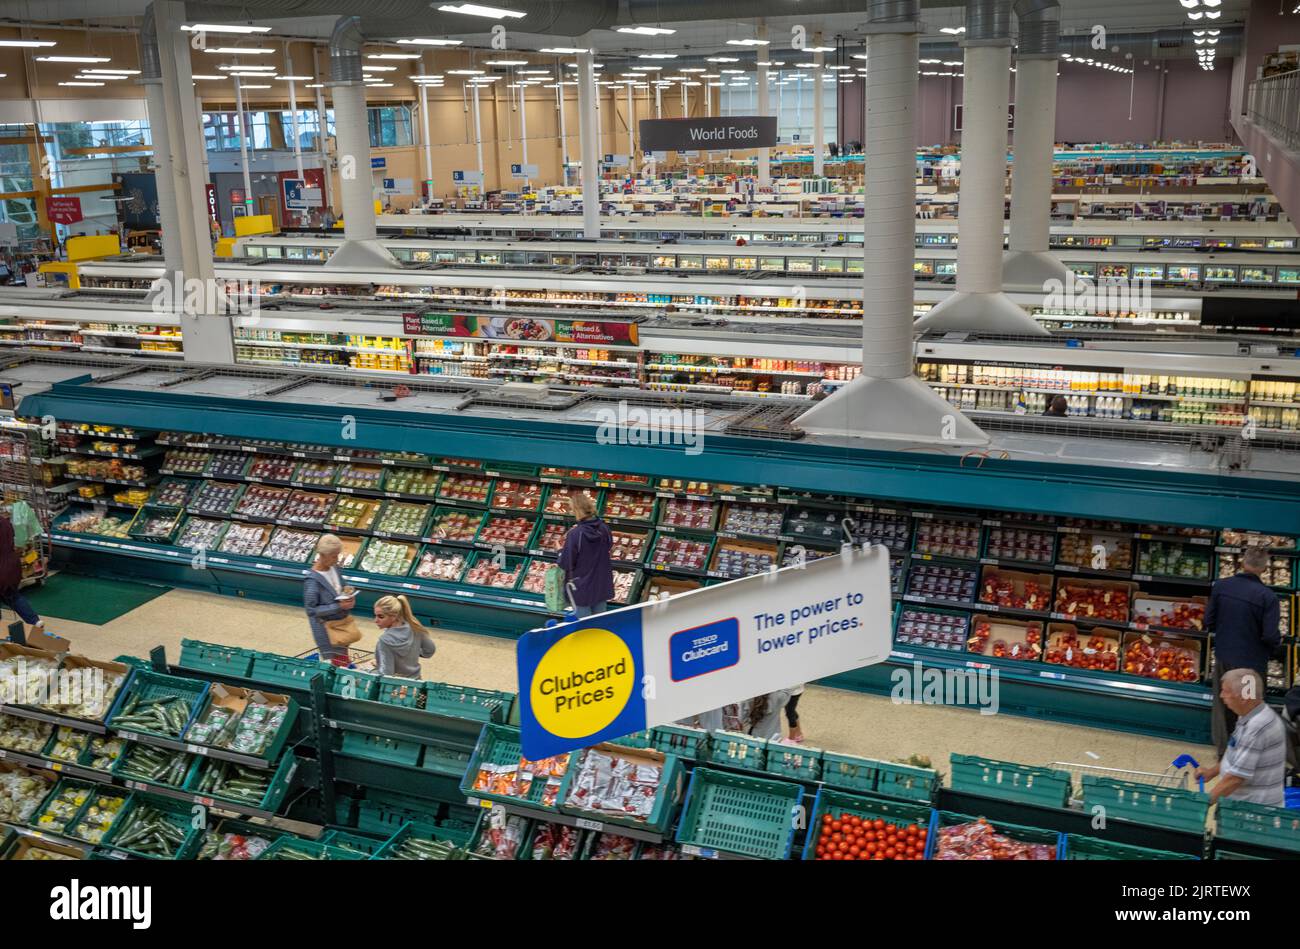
x=717 y=132
x=612 y=674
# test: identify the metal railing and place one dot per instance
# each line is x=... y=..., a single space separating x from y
x=1273 y=104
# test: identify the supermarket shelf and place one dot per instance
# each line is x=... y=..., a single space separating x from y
x=61 y=768
x=22 y=711
x=130 y=484
x=122 y=436
x=555 y=816
x=247 y=761
x=1186 y=581
x=137 y=456
x=134 y=352
x=1280 y=405
x=675 y=367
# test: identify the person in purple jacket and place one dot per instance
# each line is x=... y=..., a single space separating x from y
x=585 y=557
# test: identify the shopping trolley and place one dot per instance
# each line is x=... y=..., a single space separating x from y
x=1179 y=775
x=362 y=660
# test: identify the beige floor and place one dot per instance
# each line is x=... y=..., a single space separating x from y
x=834 y=719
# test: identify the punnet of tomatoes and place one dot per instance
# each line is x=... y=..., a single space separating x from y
x=847 y=836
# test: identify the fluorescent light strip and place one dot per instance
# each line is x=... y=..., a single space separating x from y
x=239 y=50
x=74 y=59
x=294 y=78
x=28 y=44
x=505 y=62
x=392 y=56
x=425 y=41
x=747 y=42
x=111 y=72
x=646 y=30
x=379 y=69
x=79 y=83
x=573 y=50
x=657 y=56
x=223 y=28
x=475 y=9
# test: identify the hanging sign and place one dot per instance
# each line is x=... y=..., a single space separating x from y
x=377 y=162
x=524 y=328
x=298 y=196
x=957 y=114
x=523 y=172
x=714 y=132
x=617 y=161
x=63 y=210
x=611 y=674
x=214 y=211
x=467 y=178
x=397 y=186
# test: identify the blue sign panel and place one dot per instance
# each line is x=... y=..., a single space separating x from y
x=703 y=649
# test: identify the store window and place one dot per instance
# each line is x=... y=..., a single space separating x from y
x=389 y=126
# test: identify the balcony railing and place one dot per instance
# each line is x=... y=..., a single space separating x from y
x=1274 y=106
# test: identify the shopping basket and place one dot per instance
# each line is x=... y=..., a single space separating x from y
x=1180 y=774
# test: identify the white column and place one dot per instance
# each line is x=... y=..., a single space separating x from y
x=1028 y=262
x=352 y=138
x=243 y=146
x=428 y=141
x=764 y=154
x=587 y=141
x=168 y=217
x=293 y=122
x=322 y=133
x=659 y=102
x=478 y=138
x=523 y=131
x=564 y=132
x=819 y=117
x=631 y=119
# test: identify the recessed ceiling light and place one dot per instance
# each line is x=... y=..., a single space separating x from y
x=426 y=41
x=475 y=9
x=80 y=83
x=657 y=56
x=223 y=28
x=379 y=69
x=369 y=85
x=74 y=59
x=254 y=87
x=819 y=49
x=505 y=62
x=746 y=42
x=392 y=56
x=111 y=72
x=248 y=67
x=646 y=30
x=28 y=44
x=565 y=49
x=464 y=72
x=538 y=72
x=952 y=30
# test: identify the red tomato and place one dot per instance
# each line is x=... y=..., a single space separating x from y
x=890 y=853
x=837 y=825
x=878 y=824
x=855 y=850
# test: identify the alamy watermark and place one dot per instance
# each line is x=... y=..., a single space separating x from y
x=934 y=686
x=24 y=683
x=207 y=296
x=1107 y=296
x=658 y=426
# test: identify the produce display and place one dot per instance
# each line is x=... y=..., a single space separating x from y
x=104 y=751
x=246 y=539
x=293 y=546
x=214 y=497
x=510 y=532
x=465 y=488
x=24 y=735
x=200 y=533
x=948 y=538
x=1234 y=538
x=1093 y=600
x=226 y=464
x=405 y=518
x=413 y=848
x=272 y=468
x=356 y=514
x=680 y=553
x=360 y=477
x=114 y=470
x=517 y=495
x=1170 y=612
x=795 y=553
x=164 y=715
x=233 y=847
x=21 y=793
x=388 y=557
x=1277 y=574
x=155 y=765
x=552 y=536
x=456 y=526
x=815 y=524
x=1031 y=546
x=1081 y=551
x=69 y=744
x=306 y=508
x=171 y=492
x=486 y=573
x=681 y=486
x=978 y=840
x=441 y=563
x=1099 y=652
x=629 y=505
x=147 y=830
x=1005 y=639
x=1021 y=591
x=628 y=546
x=315 y=473
x=516 y=780
x=613 y=784
x=662 y=852
x=416 y=481
x=236 y=782
x=185 y=461
x=555 y=842
x=612 y=847
x=758 y=519
x=1155 y=657
x=534 y=580
x=633 y=479
x=573 y=474
x=557 y=500
x=501 y=836
x=59 y=810
x=262 y=503
x=256 y=728
x=1174 y=560
x=684 y=513
x=101 y=525
x=734 y=560
x=154 y=526
x=624 y=584
x=847 y=836
x=27 y=680
x=97 y=818
x=943 y=582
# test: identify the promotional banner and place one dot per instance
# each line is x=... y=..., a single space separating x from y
x=63 y=210
x=714 y=132
x=611 y=674
x=522 y=328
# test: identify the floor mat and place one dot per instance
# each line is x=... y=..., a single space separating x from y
x=92 y=600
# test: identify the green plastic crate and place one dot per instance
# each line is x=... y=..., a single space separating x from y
x=689 y=744
x=1244 y=822
x=905 y=781
x=794 y=761
x=210 y=657
x=736 y=750
x=287 y=672
x=641 y=739
x=378 y=748
x=446 y=759
x=177 y=813
x=1030 y=835
x=400 y=691
x=1022 y=783
x=1078 y=847
x=829 y=801
x=364 y=685
x=849 y=772
x=739 y=814
x=126 y=766
x=1233 y=855
x=276 y=745
x=213 y=836
x=384 y=814
x=1174 y=808
x=671 y=779
x=145 y=685
x=278 y=784
x=358 y=843
x=136 y=530
x=421 y=832
x=499 y=744
x=484 y=705
x=306 y=849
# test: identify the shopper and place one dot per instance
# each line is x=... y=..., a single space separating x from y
x=1243 y=616
x=11 y=578
x=765 y=714
x=1253 y=767
x=1058 y=407
x=585 y=557
x=320 y=598
x=404 y=642
x=792 y=715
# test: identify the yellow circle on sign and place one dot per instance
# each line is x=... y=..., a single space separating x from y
x=582 y=683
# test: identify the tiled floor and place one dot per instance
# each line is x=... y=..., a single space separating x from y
x=834 y=719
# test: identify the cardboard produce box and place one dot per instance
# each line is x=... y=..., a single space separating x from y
x=1162 y=656
x=87 y=688
x=1172 y=612
x=1001 y=638
x=1079 y=598
x=1015 y=589
x=1096 y=648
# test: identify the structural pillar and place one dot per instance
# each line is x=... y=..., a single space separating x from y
x=764 y=154
x=819 y=115
x=293 y=124
x=249 y=203
x=589 y=145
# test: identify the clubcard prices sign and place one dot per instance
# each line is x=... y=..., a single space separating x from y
x=611 y=674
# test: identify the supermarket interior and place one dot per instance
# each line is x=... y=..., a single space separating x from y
x=888 y=450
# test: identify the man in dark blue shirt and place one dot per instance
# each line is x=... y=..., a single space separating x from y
x=1243 y=615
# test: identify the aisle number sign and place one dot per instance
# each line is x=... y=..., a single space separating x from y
x=612 y=674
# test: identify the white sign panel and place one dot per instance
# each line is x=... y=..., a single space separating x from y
x=523 y=172
x=467 y=178
x=397 y=186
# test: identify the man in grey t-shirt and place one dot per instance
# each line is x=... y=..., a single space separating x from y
x=1253 y=767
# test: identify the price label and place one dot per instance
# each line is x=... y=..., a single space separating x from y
x=263 y=566
x=56 y=766
x=411 y=586
x=3 y=753
x=387 y=461
x=342 y=457
x=990 y=607
x=589 y=824
x=205 y=801
x=197 y=750
x=299 y=454
x=904 y=655
x=467 y=593
x=391 y=494
x=694 y=851
x=128 y=736
x=137 y=785
x=989 y=523
x=253 y=480
x=343 y=490
x=1068 y=568
x=1052 y=675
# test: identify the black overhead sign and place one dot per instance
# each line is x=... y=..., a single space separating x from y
x=732 y=131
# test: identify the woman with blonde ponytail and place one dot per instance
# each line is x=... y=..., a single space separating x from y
x=404 y=642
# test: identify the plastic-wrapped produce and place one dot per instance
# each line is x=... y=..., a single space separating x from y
x=443 y=564
x=21 y=793
x=387 y=557
x=978 y=840
x=23 y=734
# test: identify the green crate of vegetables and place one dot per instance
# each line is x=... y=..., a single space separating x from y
x=296 y=848
x=838 y=804
x=421 y=842
x=1078 y=847
x=22 y=792
x=645 y=798
x=497 y=770
x=1023 y=784
x=102 y=752
x=235 y=839
x=155 y=525
x=140 y=762
x=1046 y=844
x=158 y=828
x=259 y=788
x=1175 y=808
x=739 y=814
x=103 y=810
x=158 y=704
x=359 y=844
x=67 y=745
x=793 y=761
x=210 y=657
x=641 y=739
x=288 y=672
x=61 y=806
x=247 y=722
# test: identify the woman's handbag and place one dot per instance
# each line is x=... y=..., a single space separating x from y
x=342 y=632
